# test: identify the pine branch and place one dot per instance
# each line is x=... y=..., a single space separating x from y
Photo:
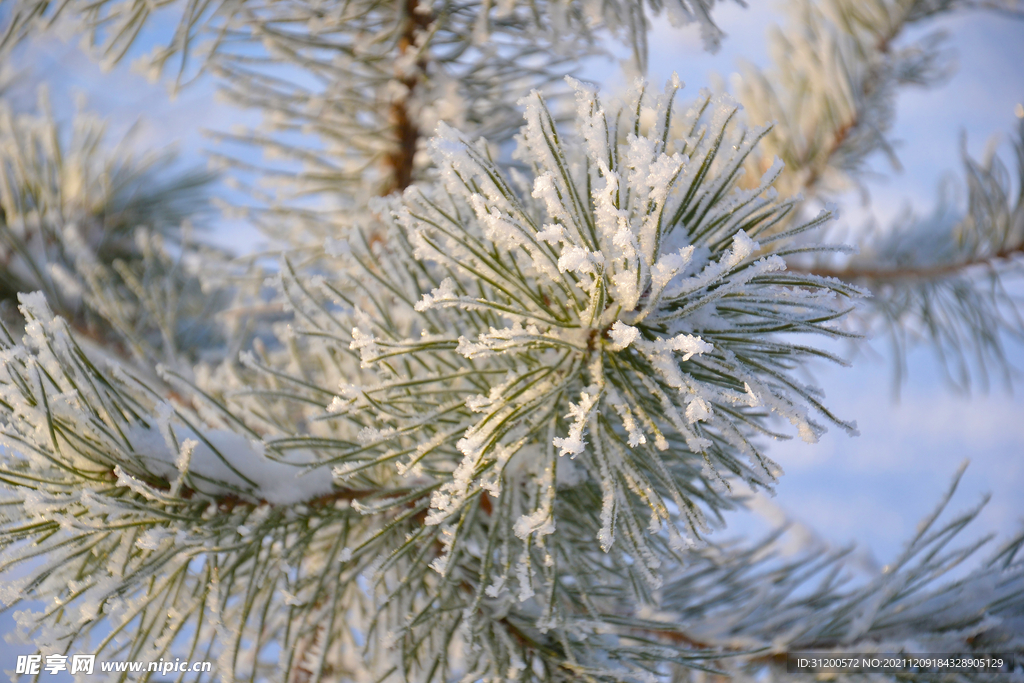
x=90 y=225
x=934 y=282
x=486 y=447
x=114 y=28
x=812 y=603
x=948 y=282
x=422 y=414
x=554 y=299
x=832 y=91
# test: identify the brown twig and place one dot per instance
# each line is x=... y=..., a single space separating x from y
x=399 y=162
x=837 y=141
x=934 y=272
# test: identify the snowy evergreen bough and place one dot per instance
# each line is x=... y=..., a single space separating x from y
x=618 y=301
x=944 y=281
x=588 y=355
x=481 y=428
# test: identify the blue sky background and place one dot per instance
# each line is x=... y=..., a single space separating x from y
x=871 y=490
